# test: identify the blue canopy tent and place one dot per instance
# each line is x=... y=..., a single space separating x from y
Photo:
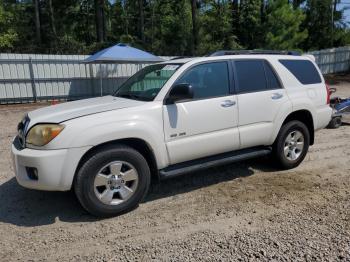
x=122 y=53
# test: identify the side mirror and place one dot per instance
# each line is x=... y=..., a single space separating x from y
x=179 y=92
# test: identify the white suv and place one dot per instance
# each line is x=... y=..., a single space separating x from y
x=169 y=119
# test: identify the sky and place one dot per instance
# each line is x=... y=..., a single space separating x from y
x=345 y=4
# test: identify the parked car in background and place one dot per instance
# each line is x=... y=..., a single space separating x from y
x=173 y=118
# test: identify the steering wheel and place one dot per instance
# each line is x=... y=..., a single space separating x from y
x=149 y=92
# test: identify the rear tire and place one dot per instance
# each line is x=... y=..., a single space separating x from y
x=335 y=122
x=291 y=145
x=112 y=181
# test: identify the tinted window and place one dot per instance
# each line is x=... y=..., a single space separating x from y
x=207 y=80
x=250 y=76
x=303 y=70
x=272 y=81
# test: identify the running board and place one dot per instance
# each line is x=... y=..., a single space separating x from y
x=217 y=160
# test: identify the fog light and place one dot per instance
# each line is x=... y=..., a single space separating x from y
x=32 y=173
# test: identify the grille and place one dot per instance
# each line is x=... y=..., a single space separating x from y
x=22 y=129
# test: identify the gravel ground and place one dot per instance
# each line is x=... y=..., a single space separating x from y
x=240 y=212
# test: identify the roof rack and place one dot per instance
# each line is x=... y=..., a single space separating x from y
x=179 y=57
x=254 y=52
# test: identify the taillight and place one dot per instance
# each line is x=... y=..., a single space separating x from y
x=328 y=94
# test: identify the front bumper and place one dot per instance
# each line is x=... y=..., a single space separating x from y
x=55 y=168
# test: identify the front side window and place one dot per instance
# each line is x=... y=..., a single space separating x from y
x=146 y=83
x=207 y=80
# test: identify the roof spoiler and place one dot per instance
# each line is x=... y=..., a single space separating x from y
x=311 y=57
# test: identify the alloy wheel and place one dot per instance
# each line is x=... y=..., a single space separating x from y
x=294 y=145
x=116 y=182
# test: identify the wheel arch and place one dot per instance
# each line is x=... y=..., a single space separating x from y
x=138 y=144
x=306 y=118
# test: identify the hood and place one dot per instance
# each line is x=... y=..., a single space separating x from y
x=65 y=111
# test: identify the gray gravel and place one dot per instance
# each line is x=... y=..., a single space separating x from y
x=240 y=212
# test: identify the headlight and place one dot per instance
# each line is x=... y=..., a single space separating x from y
x=42 y=134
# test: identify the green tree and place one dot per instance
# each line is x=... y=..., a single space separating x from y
x=284 y=26
x=319 y=24
x=168 y=27
x=100 y=19
x=297 y=3
x=171 y=30
x=216 y=27
x=194 y=10
x=119 y=23
x=251 y=33
x=8 y=35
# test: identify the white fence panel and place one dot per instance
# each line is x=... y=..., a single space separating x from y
x=32 y=77
x=333 y=60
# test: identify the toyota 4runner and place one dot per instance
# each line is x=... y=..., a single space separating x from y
x=169 y=119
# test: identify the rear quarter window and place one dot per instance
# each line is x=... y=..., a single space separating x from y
x=303 y=70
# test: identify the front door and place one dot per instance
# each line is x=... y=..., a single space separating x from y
x=207 y=124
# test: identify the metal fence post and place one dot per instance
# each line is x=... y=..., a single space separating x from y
x=101 y=83
x=92 y=80
x=32 y=79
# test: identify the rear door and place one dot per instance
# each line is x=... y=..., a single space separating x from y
x=260 y=96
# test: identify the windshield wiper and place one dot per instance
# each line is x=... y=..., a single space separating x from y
x=134 y=97
x=127 y=96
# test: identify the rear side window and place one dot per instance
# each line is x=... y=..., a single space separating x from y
x=255 y=75
x=303 y=70
x=250 y=76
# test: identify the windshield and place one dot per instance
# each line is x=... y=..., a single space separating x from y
x=146 y=83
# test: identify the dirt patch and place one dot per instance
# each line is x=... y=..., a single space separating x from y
x=245 y=211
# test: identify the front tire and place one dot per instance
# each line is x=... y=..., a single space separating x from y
x=291 y=145
x=112 y=181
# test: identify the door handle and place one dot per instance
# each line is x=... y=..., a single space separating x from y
x=228 y=103
x=276 y=96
